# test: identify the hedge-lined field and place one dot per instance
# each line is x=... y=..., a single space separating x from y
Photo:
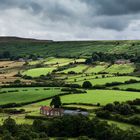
x=121 y=68
x=77 y=69
x=36 y=72
x=23 y=95
x=103 y=81
x=130 y=86
x=97 y=96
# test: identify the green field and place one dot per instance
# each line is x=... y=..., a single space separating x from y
x=97 y=96
x=126 y=86
x=102 y=81
x=77 y=69
x=36 y=72
x=96 y=69
x=121 y=68
x=23 y=95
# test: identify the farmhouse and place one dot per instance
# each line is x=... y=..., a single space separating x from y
x=122 y=61
x=53 y=112
x=48 y=111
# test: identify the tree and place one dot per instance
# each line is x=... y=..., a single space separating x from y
x=87 y=84
x=56 y=102
x=10 y=125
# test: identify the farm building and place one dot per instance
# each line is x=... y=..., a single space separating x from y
x=51 y=112
x=122 y=61
x=48 y=111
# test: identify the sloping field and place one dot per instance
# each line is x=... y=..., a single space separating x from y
x=102 y=81
x=97 y=96
x=121 y=68
x=23 y=95
x=36 y=72
x=126 y=86
x=77 y=69
x=67 y=48
x=96 y=69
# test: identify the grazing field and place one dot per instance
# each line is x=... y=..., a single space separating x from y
x=23 y=95
x=126 y=86
x=77 y=69
x=83 y=77
x=54 y=61
x=103 y=81
x=97 y=96
x=36 y=72
x=121 y=68
x=96 y=69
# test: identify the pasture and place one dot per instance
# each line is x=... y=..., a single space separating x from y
x=77 y=69
x=103 y=81
x=97 y=96
x=120 y=68
x=36 y=72
x=24 y=95
x=132 y=86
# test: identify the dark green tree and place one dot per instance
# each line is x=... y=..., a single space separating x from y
x=87 y=85
x=10 y=125
x=56 y=102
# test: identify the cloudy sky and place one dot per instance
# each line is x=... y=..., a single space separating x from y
x=71 y=19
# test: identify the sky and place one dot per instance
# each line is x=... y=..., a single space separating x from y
x=71 y=19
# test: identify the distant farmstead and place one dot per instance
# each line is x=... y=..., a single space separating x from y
x=48 y=111
x=122 y=61
x=54 y=112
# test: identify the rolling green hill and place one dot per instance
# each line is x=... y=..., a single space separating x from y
x=26 y=47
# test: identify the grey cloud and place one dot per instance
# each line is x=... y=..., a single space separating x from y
x=114 y=7
x=60 y=19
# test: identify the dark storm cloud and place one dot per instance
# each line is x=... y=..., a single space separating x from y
x=114 y=7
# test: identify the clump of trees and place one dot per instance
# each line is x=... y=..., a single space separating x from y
x=80 y=127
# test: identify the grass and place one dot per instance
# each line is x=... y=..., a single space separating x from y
x=26 y=94
x=77 y=69
x=96 y=69
x=102 y=81
x=36 y=72
x=121 y=68
x=97 y=96
x=133 y=86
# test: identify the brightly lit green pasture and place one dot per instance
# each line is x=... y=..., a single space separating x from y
x=97 y=96
x=96 y=69
x=121 y=68
x=78 y=69
x=83 y=77
x=126 y=86
x=36 y=72
x=23 y=95
x=53 y=61
x=103 y=81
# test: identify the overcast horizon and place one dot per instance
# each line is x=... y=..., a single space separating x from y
x=71 y=19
